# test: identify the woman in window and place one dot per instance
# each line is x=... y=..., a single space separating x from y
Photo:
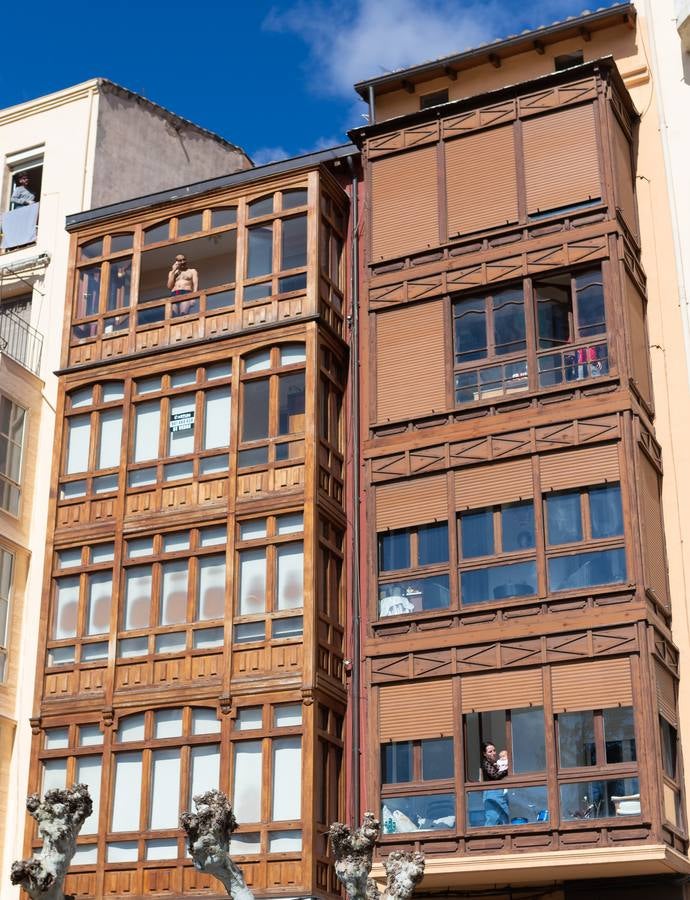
x=494 y=767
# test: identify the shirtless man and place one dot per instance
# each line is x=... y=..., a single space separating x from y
x=182 y=280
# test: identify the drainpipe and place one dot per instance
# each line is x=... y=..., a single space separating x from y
x=372 y=105
x=356 y=586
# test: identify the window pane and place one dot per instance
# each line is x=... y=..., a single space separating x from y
x=120 y=284
x=518 y=806
x=100 y=592
x=147 y=428
x=205 y=721
x=246 y=802
x=605 y=511
x=137 y=598
x=78 y=435
x=432 y=542
x=499 y=582
x=89 y=773
x=287 y=715
x=205 y=769
x=131 y=728
x=470 y=329
x=110 y=439
x=260 y=251
x=261 y=207
x=163 y=848
x=254 y=528
x=294 y=243
x=165 y=789
x=290 y=523
x=90 y=735
x=181 y=425
x=394 y=550
x=529 y=741
x=125 y=814
x=563 y=518
x=290 y=627
x=517 y=526
x=619 y=735
x=590 y=303
x=245 y=843
x=576 y=745
x=217 y=418
x=554 y=312
x=669 y=748
x=414 y=595
x=401 y=815
x=291 y=403
x=294 y=198
x=600 y=799
x=437 y=758
x=509 y=321
x=580 y=570
x=56 y=738
x=87 y=291
x=66 y=605
x=255 y=410
x=252 y=582
x=54 y=774
x=396 y=762
x=284 y=841
x=211 y=598
x=249 y=718
x=174 y=589
x=290 y=576
x=122 y=851
x=287 y=778
x=171 y=643
x=477 y=531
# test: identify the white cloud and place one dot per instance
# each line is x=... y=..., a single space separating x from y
x=370 y=37
x=265 y=155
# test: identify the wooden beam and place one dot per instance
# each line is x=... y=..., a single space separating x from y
x=408 y=86
x=451 y=73
x=539 y=47
x=495 y=60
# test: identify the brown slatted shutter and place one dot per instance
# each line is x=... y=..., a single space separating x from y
x=624 y=177
x=599 y=684
x=504 y=482
x=639 y=344
x=410 y=362
x=514 y=689
x=415 y=710
x=654 y=552
x=577 y=468
x=404 y=204
x=666 y=694
x=415 y=501
x=481 y=181
x=561 y=159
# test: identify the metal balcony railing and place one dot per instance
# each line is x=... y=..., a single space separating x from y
x=20 y=341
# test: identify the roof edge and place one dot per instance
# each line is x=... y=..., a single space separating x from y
x=494 y=47
x=196 y=189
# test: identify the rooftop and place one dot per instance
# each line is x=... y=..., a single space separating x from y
x=493 y=52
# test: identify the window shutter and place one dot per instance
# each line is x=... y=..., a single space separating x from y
x=561 y=159
x=666 y=694
x=410 y=362
x=654 y=552
x=417 y=501
x=513 y=689
x=639 y=343
x=404 y=204
x=416 y=710
x=481 y=181
x=505 y=482
x=599 y=684
x=623 y=172
x=575 y=468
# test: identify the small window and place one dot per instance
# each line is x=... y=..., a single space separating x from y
x=26 y=184
x=433 y=99
x=566 y=60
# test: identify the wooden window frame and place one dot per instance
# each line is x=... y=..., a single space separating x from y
x=7 y=484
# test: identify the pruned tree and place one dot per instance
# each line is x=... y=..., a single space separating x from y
x=208 y=837
x=353 y=850
x=60 y=816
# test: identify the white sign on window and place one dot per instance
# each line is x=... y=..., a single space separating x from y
x=182 y=421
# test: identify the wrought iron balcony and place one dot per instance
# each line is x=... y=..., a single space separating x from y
x=20 y=341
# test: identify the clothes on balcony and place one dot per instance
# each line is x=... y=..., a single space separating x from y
x=19 y=226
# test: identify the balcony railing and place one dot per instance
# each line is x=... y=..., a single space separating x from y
x=20 y=341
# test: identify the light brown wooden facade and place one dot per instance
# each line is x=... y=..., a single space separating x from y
x=193 y=623
x=475 y=205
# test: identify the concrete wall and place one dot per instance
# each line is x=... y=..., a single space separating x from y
x=141 y=149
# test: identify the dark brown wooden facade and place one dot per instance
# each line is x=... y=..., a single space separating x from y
x=192 y=634
x=485 y=216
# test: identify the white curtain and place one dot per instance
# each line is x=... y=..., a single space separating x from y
x=287 y=778
x=217 y=418
x=247 y=783
x=252 y=582
x=66 y=602
x=291 y=576
x=205 y=769
x=165 y=789
x=100 y=592
x=54 y=774
x=211 y=596
x=110 y=442
x=89 y=773
x=125 y=816
x=147 y=429
x=131 y=728
x=174 y=589
x=138 y=598
x=168 y=723
x=79 y=433
x=205 y=721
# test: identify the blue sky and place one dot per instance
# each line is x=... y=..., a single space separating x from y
x=275 y=78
